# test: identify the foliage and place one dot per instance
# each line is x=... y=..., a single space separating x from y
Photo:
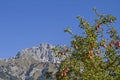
x=94 y=55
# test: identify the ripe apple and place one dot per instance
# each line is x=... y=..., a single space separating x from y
x=118 y=44
x=98 y=51
x=91 y=51
x=104 y=45
x=90 y=57
x=61 y=73
x=68 y=50
x=97 y=27
x=62 y=53
x=111 y=20
x=67 y=69
x=110 y=44
x=64 y=73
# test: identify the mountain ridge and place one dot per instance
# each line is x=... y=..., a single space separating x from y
x=30 y=64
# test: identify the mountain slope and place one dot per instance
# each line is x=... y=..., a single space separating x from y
x=29 y=64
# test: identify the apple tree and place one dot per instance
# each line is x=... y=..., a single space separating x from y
x=94 y=54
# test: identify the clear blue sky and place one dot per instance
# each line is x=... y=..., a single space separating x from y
x=27 y=23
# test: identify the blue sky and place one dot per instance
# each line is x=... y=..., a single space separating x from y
x=27 y=23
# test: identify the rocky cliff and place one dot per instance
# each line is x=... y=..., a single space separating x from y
x=30 y=64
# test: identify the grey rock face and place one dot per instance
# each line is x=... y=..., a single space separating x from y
x=30 y=64
x=42 y=53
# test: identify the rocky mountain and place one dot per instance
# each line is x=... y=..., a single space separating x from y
x=30 y=64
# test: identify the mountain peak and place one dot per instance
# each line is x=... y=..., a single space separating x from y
x=46 y=45
x=30 y=63
x=42 y=52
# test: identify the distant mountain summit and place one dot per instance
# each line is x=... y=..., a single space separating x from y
x=42 y=53
x=30 y=64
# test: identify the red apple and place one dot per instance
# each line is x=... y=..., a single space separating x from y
x=62 y=53
x=118 y=44
x=91 y=51
x=104 y=45
x=61 y=73
x=97 y=27
x=68 y=50
x=98 y=51
x=90 y=57
x=111 y=20
x=110 y=44
x=64 y=73
x=67 y=69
